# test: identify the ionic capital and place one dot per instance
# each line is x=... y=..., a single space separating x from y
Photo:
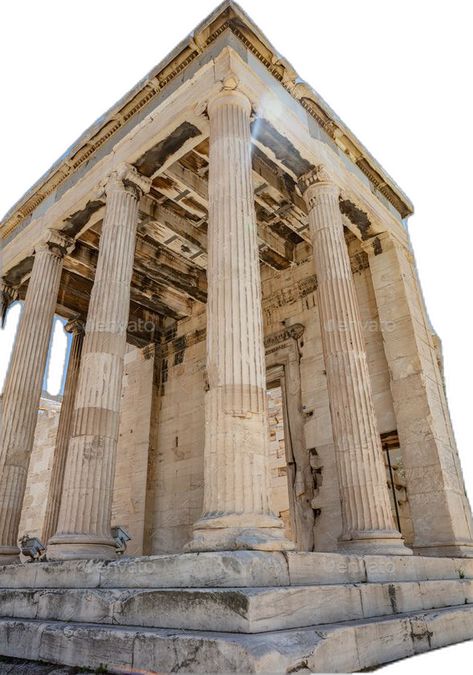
x=315 y=182
x=126 y=177
x=75 y=326
x=229 y=95
x=8 y=294
x=55 y=242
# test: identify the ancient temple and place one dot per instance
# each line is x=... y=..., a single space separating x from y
x=254 y=393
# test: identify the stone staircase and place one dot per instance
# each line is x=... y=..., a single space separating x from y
x=241 y=611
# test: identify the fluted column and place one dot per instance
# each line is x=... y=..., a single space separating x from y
x=237 y=510
x=367 y=521
x=22 y=391
x=76 y=327
x=85 y=512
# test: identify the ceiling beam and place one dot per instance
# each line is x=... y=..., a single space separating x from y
x=273 y=249
x=149 y=288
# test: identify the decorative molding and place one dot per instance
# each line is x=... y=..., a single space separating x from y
x=275 y=341
x=288 y=295
x=298 y=290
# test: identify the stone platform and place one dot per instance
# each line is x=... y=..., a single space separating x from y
x=235 y=612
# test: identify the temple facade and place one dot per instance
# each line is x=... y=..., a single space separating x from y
x=254 y=392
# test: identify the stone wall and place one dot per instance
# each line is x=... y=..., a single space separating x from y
x=175 y=500
x=131 y=473
x=135 y=439
x=40 y=467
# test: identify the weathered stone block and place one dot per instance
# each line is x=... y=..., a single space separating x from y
x=324 y=568
x=237 y=568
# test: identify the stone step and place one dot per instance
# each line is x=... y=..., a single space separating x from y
x=237 y=610
x=232 y=569
x=333 y=648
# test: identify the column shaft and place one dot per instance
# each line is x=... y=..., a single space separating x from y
x=85 y=512
x=23 y=385
x=237 y=509
x=64 y=431
x=367 y=521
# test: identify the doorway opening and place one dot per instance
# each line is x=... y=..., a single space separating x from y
x=278 y=456
x=396 y=479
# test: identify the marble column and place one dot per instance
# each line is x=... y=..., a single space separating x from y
x=85 y=512
x=237 y=510
x=76 y=327
x=367 y=520
x=22 y=391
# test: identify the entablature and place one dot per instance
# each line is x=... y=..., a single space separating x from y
x=168 y=144
x=230 y=21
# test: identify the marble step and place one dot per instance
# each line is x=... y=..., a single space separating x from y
x=332 y=648
x=232 y=569
x=238 y=610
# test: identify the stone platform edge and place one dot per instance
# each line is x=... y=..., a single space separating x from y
x=339 y=648
x=233 y=569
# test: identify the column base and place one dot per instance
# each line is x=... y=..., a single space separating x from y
x=375 y=542
x=9 y=555
x=80 y=547
x=461 y=549
x=232 y=532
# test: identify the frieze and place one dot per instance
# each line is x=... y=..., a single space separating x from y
x=275 y=341
x=290 y=294
x=272 y=342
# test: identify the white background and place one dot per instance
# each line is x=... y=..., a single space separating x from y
x=399 y=73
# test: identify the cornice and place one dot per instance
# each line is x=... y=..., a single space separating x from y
x=227 y=16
